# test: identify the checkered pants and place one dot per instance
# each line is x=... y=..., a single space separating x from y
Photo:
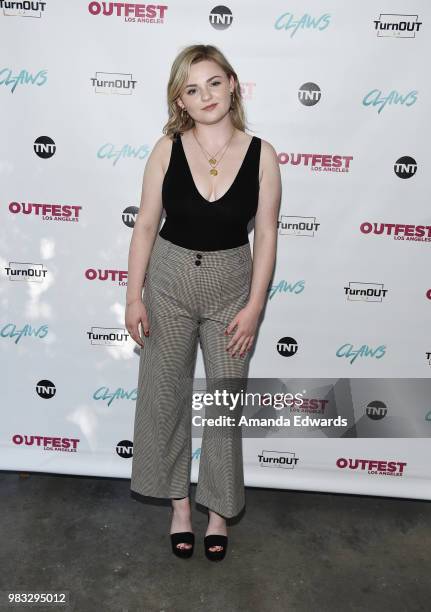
x=190 y=296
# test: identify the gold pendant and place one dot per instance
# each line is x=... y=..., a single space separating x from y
x=212 y=161
x=213 y=171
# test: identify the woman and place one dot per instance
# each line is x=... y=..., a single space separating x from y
x=201 y=284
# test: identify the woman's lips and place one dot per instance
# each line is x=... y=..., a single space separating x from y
x=210 y=107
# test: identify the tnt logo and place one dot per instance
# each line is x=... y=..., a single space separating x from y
x=125 y=449
x=287 y=347
x=45 y=389
x=405 y=167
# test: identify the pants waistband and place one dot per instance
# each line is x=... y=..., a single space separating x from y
x=178 y=255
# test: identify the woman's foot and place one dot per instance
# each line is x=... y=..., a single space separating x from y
x=181 y=520
x=216 y=526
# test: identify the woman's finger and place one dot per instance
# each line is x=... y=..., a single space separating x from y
x=237 y=345
x=134 y=332
x=233 y=340
x=243 y=349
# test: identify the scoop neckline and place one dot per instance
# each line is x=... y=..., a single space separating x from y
x=234 y=180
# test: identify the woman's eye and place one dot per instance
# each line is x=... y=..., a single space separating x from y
x=191 y=91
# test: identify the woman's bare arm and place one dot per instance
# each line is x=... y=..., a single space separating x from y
x=245 y=323
x=148 y=218
x=265 y=227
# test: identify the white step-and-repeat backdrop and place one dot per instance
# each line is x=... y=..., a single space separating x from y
x=341 y=90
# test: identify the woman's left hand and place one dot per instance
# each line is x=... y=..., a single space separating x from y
x=246 y=324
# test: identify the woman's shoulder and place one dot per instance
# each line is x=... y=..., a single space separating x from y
x=268 y=154
x=162 y=150
x=267 y=150
x=266 y=145
x=164 y=142
x=268 y=161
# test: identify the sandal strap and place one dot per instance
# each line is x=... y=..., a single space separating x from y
x=215 y=540
x=183 y=537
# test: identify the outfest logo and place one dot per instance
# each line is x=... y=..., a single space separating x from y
x=48 y=212
x=131 y=12
x=376 y=467
x=399 y=231
x=116 y=276
x=318 y=162
x=48 y=443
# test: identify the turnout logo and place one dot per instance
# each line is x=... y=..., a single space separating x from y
x=397 y=25
x=292 y=225
x=24 y=9
x=278 y=459
x=18 y=271
x=357 y=291
x=113 y=83
x=108 y=336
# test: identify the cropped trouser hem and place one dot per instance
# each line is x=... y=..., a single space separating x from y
x=225 y=510
x=221 y=507
x=161 y=494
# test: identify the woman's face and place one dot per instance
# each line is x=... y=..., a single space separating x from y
x=207 y=84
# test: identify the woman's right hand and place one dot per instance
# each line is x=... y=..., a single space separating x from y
x=136 y=313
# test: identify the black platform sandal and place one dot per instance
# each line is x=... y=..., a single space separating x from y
x=182 y=537
x=215 y=540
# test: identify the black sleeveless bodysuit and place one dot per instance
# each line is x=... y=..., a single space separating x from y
x=196 y=223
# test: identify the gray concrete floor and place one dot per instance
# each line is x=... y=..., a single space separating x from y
x=290 y=550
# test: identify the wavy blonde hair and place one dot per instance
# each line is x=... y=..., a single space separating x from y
x=177 y=81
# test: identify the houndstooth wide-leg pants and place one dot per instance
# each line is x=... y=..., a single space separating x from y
x=190 y=296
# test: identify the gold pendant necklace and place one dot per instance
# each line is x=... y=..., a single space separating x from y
x=213 y=158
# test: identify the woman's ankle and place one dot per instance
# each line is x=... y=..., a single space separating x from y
x=181 y=504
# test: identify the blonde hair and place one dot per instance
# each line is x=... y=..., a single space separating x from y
x=192 y=54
